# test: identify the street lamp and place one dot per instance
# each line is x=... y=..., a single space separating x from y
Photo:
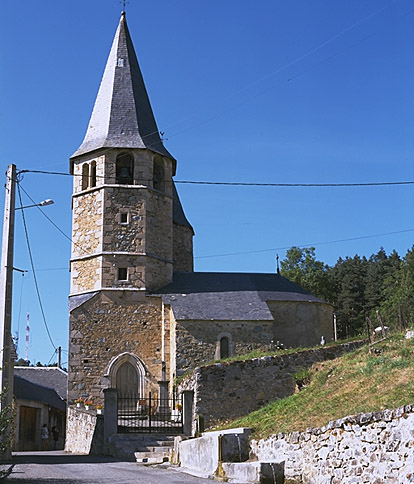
x=48 y=201
x=6 y=286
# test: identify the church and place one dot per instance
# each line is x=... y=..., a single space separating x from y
x=139 y=314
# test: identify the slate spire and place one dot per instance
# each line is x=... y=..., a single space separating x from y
x=122 y=116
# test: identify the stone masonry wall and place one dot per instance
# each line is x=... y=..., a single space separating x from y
x=87 y=223
x=159 y=236
x=85 y=275
x=295 y=324
x=183 y=248
x=110 y=324
x=372 y=448
x=198 y=341
x=136 y=266
x=233 y=389
x=84 y=434
x=124 y=237
x=301 y=323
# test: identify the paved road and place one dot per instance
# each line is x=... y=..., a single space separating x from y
x=60 y=468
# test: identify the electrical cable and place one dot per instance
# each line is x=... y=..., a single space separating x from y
x=54 y=353
x=33 y=268
x=302 y=245
x=244 y=184
x=53 y=223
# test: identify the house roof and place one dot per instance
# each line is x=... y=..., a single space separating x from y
x=122 y=116
x=50 y=377
x=27 y=390
x=229 y=296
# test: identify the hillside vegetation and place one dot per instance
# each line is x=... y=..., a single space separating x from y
x=368 y=379
x=359 y=288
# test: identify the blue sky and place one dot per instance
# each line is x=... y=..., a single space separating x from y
x=267 y=91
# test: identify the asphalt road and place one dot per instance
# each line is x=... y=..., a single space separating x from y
x=60 y=468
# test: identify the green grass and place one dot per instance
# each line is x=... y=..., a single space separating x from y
x=360 y=381
x=259 y=354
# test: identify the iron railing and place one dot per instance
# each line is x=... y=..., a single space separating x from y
x=149 y=415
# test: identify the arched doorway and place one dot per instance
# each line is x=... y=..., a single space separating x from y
x=127 y=374
x=126 y=381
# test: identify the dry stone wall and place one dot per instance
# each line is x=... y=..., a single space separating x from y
x=372 y=448
x=233 y=389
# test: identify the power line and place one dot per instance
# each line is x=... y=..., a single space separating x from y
x=246 y=184
x=51 y=358
x=53 y=223
x=33 y=268
x=254 y=184
x=303 y=245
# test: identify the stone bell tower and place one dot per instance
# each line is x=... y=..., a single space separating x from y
x=129 y=234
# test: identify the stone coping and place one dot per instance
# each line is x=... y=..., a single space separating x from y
x=359 y=419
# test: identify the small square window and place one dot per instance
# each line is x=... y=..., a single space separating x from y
x=122 y=274
x=124 y=218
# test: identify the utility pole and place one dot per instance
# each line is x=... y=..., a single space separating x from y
x=6 y=284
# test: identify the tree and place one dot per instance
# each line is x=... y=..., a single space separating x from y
x=397 y=305
x=300 y=266
x=349 y=282
x=379 y=271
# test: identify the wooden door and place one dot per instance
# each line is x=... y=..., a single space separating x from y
x=27 y=428
x=127 y=381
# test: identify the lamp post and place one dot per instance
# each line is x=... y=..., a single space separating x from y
x=6 y=287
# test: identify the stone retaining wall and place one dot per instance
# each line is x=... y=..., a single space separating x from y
x=233 y=389
x=85 y=432
x=372 y=448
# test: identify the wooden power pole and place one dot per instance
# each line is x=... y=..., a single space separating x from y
x=6 y=285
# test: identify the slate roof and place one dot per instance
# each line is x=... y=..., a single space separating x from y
x=50 y=377
x=178 y=211
x=76 y=301
x=27 y=390
x=229 y=296
x=122 y=116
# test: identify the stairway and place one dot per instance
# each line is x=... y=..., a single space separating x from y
x=145 y=449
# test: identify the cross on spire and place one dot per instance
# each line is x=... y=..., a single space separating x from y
x=124 y=4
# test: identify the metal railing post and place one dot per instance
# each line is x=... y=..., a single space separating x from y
x=149 y=412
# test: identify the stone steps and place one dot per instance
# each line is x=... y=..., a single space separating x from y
x=144 y=449
x=154 y=454
x=152 y=457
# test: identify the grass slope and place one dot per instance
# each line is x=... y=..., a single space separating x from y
x=361 y=381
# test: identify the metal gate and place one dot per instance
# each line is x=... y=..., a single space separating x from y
x=149 y=415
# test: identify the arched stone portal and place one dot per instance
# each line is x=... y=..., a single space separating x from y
x=128 y=375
